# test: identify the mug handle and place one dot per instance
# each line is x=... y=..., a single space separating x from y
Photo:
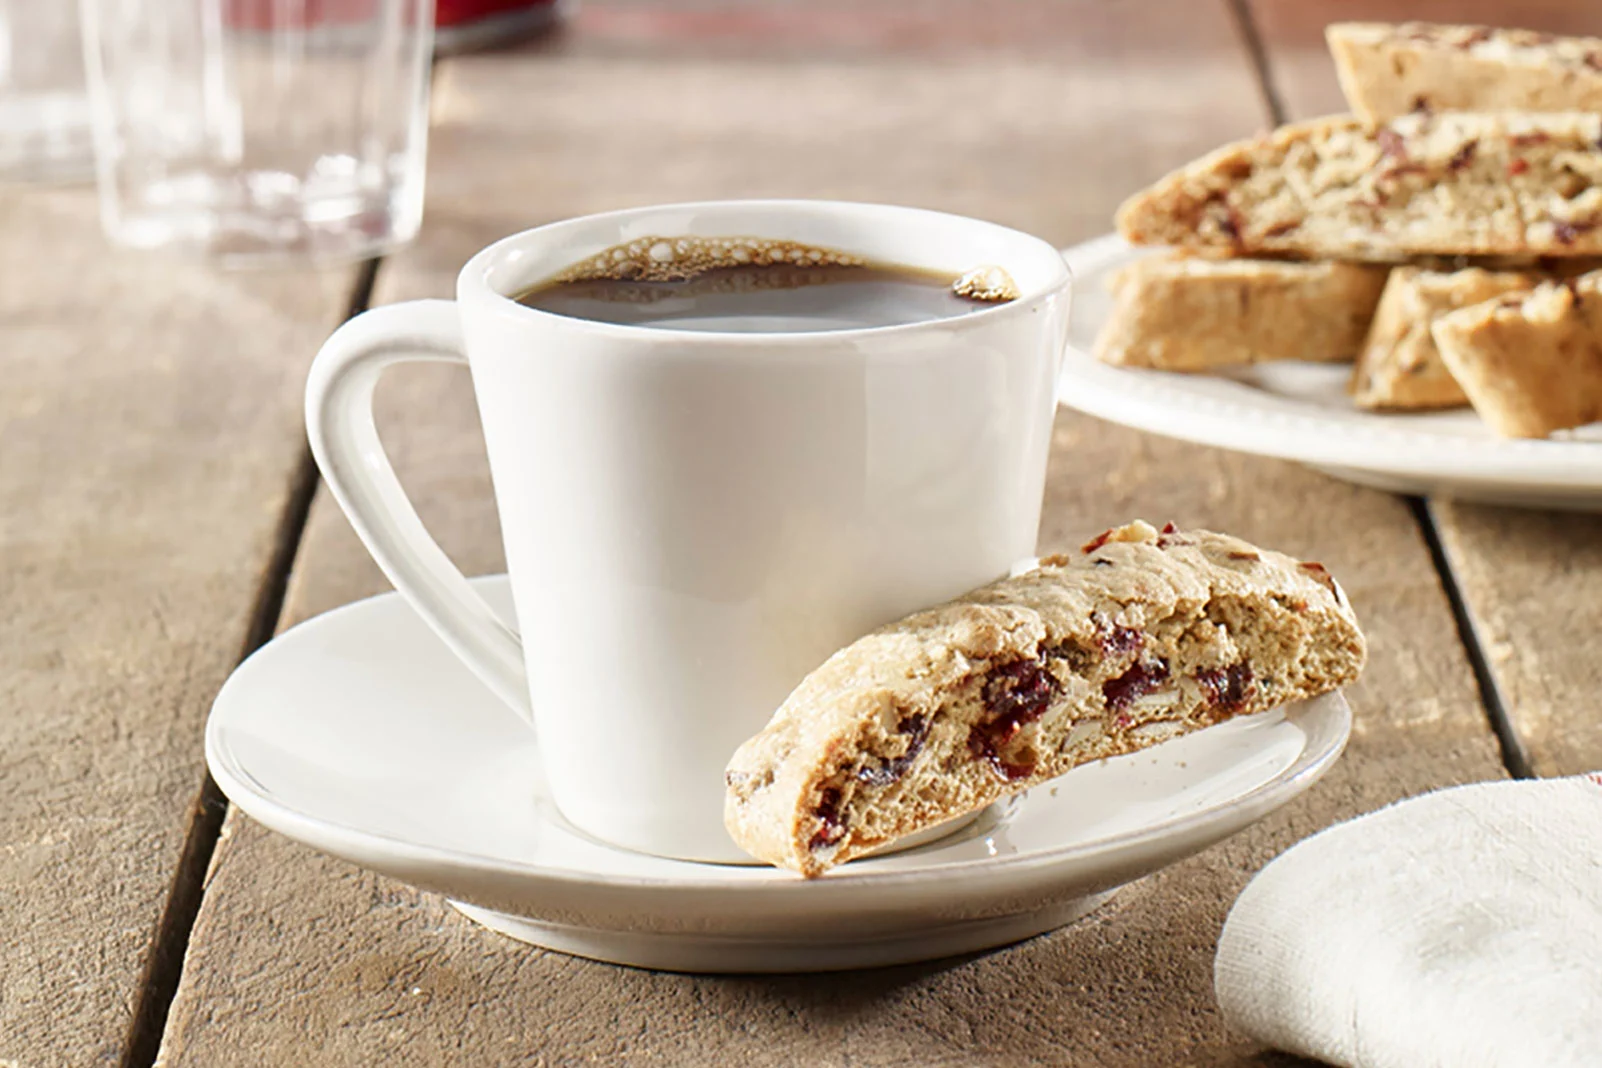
x=344 y=440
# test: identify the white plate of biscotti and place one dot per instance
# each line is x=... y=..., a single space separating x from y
x=1408 y=296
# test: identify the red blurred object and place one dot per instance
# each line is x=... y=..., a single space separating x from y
x=455 y=12
x=464 y=25
x=460 y=25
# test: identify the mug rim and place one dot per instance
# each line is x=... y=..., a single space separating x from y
x=472 y=281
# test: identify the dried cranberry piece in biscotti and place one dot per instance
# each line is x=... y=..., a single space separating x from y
x=1097 y=542
x=1463 y=156
x=1137 y=682
x=1120 y=641
x=1014 y=695
x=916 y=727
x=832 y=825
x=1227 y=688
x=1320 y=573
x=1018 y=692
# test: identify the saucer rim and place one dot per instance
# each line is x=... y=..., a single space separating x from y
x=345 y=841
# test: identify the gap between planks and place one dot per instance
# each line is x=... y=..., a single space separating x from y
x=1514 y=757
x=1246 y=26
x=158 y=984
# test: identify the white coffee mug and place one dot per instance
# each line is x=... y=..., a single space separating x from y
x=693 y=521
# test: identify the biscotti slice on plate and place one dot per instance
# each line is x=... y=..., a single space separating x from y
x=1390 y=70
x=1139 y=637
x=1454 y=183
x=1399 y=369
x=1530 y=363
x=1181 y=312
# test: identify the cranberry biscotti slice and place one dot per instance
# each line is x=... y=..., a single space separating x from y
x=1181 y=312
x=1399 y=368
x=1530 y=362
x=1455 y=183
x=1390 y=70
x=1140 y=637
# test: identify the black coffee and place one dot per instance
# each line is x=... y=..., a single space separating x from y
x=751 y=285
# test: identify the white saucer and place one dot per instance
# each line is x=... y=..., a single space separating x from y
x=1301 y=411
x=360 y=735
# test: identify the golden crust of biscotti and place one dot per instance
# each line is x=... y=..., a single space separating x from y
x=1180 y=312
x=1530 y=363
x=1141 y=636
x=1399 y=368
x=1388 y=70
x=1454 y=183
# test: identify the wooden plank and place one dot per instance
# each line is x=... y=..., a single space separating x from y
x=1026 y=138
x=149 y=439
x=293 y=950
x=1533 y=584
x=1531 y=580
x=774 y=30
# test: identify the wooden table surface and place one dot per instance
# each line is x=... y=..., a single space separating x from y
x=160 y=518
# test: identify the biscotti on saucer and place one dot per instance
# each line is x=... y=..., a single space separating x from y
x=1140 y=637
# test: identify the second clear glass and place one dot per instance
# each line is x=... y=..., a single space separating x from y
x=255 y=131
x=44 y=116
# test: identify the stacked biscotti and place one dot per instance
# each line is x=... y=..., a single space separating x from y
x=1466 y=187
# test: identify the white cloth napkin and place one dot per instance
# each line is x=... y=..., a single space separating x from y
x=1458 y=929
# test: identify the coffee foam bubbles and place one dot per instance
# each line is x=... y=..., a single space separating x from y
x=676 y=259
x=988 y=285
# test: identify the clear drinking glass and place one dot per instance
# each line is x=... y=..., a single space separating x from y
x=44 y=114
x=254 y=131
